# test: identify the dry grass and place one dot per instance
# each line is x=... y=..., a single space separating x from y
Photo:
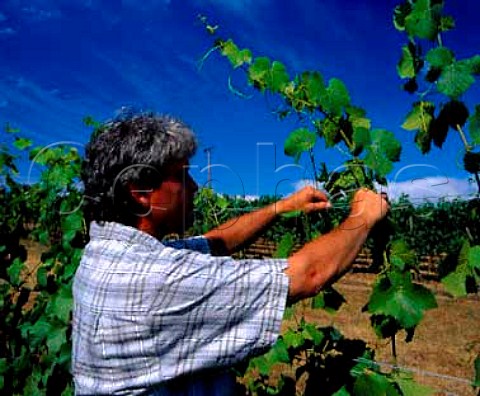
x=445 y=343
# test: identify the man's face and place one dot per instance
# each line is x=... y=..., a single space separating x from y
x=172 y=202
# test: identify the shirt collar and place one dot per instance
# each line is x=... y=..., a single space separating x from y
x=120 y=232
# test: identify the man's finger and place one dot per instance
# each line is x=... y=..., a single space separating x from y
x=314 y=206
x=320 y=196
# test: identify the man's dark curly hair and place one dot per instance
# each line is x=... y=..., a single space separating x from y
x=134 y=150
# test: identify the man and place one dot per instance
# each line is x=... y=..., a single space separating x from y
x=153 y=317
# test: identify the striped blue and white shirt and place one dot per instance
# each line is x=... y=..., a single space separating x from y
x=168 y=318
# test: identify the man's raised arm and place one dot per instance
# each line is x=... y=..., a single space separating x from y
x=235 y=233
x=327 y=257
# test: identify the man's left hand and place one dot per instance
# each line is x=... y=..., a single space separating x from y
x=308 y=199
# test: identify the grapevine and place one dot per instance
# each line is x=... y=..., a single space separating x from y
x=440 y=80
x=326 y=111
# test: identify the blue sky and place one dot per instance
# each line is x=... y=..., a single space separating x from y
x=66 y=59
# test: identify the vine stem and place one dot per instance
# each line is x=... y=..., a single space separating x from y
x=468 y=148
x=351 y=147
x=439 y=40
x=464 y=138
x=394 y=348
x=347 y=140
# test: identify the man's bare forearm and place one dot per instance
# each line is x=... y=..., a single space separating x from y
x=324 y=259
x=235 y=233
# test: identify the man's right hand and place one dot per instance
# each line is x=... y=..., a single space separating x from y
x=369 y=207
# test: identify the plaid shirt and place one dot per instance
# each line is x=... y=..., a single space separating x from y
x=147 y=312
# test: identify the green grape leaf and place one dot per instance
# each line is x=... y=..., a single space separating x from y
x=439 y=57
x=33 y=383
x=384 y=326
x=258 y=72
x=411 y=388
x=373 y=384
x=406 y=65
x=360 y=122
x=472 y=65
x=285 y=246
x=22 y=143
x=70 y=268
x=420 y=22
x=361 y=138
x=89 y=121
x=59 y=176
x=346 y=180
x=36 y=333
x=330 y=130
x=424 y=141
x=398 y=263
x=455 y=113
x=399 y=249
x=56 y=338
x=236 y=57
x=474 y=257
x=384 y=150
x=474 y=125
x=355 y=112
x=288 y=313
x=9 y=129
x=299 y=141
x=446 y=23
x=471 y=162
x=278 y=77
x=364 y=362
x=342 y=392
x=474 y=266
x=246 y=55
x=60 y=304
x=455 y=80
x=279 y=352
x=335 y=98
x=329 y=299
x=14 y=271
x=400 y=13
x=397 y=296
x=73 y=221
x=314 y=87
x=419 y=117
x=455 y=282
x=476 y=380
x=293 y=338
x=310 y=332
x=42 y=273
x=68 y=391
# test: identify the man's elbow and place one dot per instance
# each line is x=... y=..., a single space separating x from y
x=307 y=279
x=217 y=245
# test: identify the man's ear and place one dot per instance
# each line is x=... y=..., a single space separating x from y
x=142 y=196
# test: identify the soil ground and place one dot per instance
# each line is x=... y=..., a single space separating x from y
x=445 y=345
